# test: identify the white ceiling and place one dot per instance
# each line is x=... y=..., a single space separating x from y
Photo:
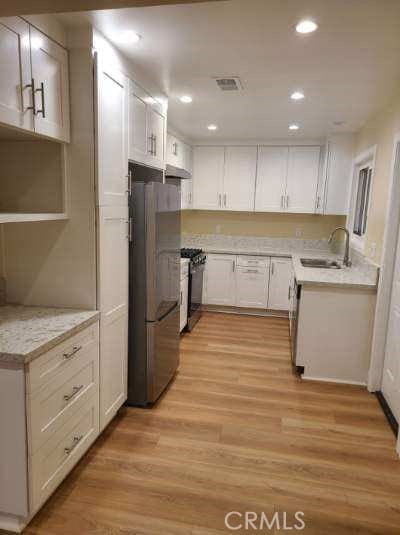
x=347 y=69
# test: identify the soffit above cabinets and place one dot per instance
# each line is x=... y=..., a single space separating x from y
x=346 y=69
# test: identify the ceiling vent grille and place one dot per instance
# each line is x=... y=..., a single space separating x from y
x=229 y=84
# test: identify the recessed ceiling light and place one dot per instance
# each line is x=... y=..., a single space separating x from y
x=306 y=26
x=212 y=127
x=128 y=37
x=297 y=95
x=294 y=127
x=186 y=99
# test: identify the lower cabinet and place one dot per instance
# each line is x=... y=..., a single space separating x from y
x=248 y=281
x=220 y=280
x=280 y=281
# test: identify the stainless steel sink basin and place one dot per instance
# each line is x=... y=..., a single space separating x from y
x=320 y=263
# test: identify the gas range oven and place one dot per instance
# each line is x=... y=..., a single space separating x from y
x=197 y=261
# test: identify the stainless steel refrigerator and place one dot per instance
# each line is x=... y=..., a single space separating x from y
x=154 y=285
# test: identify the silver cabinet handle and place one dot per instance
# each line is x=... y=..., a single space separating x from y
x=75 y=442
x=318 y=201
x=130 y=229
x=190 y=197
x=75 y=350
x=272 y=268
x=233 y=265
x=287 y=201
x=33 y=93
x=150 y=150
x=282 y=201
x=225 y=200
x=74 y=392
x=155 y=145
x=220 y=200
x=129 y=177
x=43 y=109
x=175 y=149
x=181 y=298
x=252 y=271
x=290 y=293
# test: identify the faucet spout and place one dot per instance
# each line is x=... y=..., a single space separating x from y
x=346 y=259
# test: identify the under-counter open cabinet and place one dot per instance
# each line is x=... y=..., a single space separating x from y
x=33 y=178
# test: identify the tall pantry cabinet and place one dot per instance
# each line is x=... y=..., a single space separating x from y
x=113 y=235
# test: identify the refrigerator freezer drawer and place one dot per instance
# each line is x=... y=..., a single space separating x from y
x=162 y=353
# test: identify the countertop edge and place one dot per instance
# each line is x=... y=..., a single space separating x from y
x=18 y=358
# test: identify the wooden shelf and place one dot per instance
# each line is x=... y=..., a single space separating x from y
x=26 y=217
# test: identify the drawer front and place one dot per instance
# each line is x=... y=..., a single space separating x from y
x=55 y=459
x=60 y=358
x=51 y=406
x=253 y=261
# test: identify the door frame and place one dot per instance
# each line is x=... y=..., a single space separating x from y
x=382 y=311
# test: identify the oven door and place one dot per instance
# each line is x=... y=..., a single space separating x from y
x=196 y=274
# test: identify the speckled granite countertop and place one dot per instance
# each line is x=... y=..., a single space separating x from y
x=27 y=332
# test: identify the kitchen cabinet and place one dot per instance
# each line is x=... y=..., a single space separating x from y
x=279 y=282
x=302 y=179
x=179 y=154
x=271 y=179
x=112 y=112
x=146 y=129
x=252 y=286
x=113 y=249
x=34 y=92
x=208 y=177
x=335 y=187
x=239 y=178
x=220 y=280
x=187 y=194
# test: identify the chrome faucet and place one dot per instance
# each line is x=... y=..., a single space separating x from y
x=346 y=259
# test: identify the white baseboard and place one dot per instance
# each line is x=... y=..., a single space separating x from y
x=331 y=380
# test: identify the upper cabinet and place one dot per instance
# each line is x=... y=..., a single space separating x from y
x=224 y=178
x=287 y=178
x=302 y=179
x=112 y=119
x=34 y=92
x=179 y=153
x=239 y=178
x=147 y=128
x=208 y=177
x=335 y=188
x=271 y=179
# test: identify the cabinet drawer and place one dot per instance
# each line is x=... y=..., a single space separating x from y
x=60 y=358
x=55 y=459
x=253 y=261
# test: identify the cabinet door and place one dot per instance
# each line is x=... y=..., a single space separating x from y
x=271 y=179
x=186 y=194
x=15 y=68
x=302 y=179
x=252 y=287
x=279 y=282
x=139 y=145
x=157 y=130
x=113 y=301
x=338 y=175
x=184 y=303
x=112 y=137
x=50 y=74
x=208 y=173
x=187 y=157
x=239 y=178
x=220 y=280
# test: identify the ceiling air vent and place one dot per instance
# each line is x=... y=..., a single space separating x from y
x=229 y=84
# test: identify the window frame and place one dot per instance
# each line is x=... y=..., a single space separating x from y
x=363 y=160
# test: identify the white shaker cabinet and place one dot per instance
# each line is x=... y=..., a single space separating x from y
x=187 y=194
x=252 y=287
x=302 y=179
x=50 y=78
x=112 y=137
x=220 y=280
x=156 y=135
x=208 y=177
x=113 y=251
x=279 y=282
x=271 y=179
x=15 y=68
x=239 y=178
x=138 y=142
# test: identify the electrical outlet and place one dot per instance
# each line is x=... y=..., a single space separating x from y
x=372 y=250
x=299 y=232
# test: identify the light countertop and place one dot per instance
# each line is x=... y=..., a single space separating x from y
x=26 y=332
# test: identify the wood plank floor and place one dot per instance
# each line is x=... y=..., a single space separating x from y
x=237 y=431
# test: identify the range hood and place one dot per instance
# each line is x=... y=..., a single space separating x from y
x=177 y=172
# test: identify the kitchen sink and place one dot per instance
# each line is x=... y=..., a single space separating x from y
x=320 y=263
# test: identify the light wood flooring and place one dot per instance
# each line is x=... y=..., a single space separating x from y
x=236 y=431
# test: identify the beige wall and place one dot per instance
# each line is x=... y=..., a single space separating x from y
x=259 y=224
x=380 y=131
